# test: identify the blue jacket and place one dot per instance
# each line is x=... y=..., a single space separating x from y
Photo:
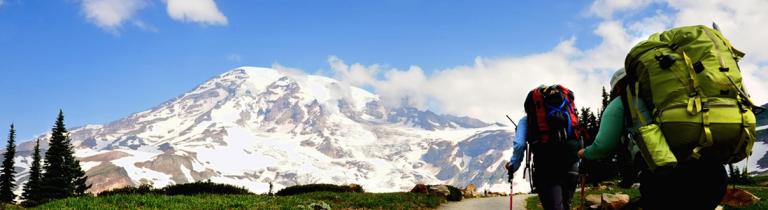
x=519 y=145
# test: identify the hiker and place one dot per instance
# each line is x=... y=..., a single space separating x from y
x=551 y=128
x=688 y=79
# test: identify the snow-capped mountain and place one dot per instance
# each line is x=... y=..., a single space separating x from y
x=252 y=126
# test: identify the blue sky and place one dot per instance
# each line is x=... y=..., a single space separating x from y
x=53 y=58
x=99 y=65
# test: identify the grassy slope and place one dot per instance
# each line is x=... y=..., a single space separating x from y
x=335 y=200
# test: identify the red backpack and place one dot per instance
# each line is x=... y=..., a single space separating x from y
x=553 y=132
x=551 y=115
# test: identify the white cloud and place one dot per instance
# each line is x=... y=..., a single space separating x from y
x=488 y=89
x=110 y=14
x=199 y=11
x=356 y=75
x=492 y=87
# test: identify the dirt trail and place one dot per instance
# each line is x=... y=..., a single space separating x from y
x=492 y=203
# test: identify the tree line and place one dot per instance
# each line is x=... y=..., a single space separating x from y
x=590 y=121
x=58 y=176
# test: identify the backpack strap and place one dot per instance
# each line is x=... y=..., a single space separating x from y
x=746 y=136
x=694 y=97
x=697 y=104
x=573 y=119
x=632 y=99
x=541 y=114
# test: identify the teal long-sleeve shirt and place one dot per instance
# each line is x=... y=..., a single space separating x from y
x=608 y=137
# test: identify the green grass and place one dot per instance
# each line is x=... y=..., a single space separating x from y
x=335 y=200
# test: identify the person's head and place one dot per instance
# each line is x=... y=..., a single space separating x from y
x=618 y=82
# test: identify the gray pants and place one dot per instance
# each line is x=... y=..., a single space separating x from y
x=556 y=189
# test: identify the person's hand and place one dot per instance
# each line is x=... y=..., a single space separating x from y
x=510 y=173
x=581 y=153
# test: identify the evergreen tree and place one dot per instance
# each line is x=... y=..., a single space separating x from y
x=32 y=193
x=77 y=174
x=7 y=180
x=63 y=176
x=584 y=117
x=606 y=99
x=594 y=123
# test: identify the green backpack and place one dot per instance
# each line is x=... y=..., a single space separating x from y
x=685 y=96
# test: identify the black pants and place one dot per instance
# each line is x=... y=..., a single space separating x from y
x=691 y=185
x=555 y=189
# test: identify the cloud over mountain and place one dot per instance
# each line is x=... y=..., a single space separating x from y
x=494 y=86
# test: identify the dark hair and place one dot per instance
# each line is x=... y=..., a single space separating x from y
x=618 y=89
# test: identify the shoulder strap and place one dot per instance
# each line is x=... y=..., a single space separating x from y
x=541 y=121
x=571 y=110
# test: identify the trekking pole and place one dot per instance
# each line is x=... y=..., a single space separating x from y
x=583 y=179
x=511 y=175
x=513 y=122
x=511 y=193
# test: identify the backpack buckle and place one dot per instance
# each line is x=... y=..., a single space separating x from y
x=693 y=94
x=704 y=106
x=665 y=61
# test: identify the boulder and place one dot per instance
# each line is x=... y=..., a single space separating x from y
x=614 y=201
x=738 y=198
x=607 y=201
x=593 y=199
x=471 y=191
x=420 y=188
x=439 y=190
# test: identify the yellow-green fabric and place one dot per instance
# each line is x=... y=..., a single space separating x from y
x=654 y=148
x=691 y=81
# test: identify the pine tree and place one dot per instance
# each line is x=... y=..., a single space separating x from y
x=32 y=194
x=594 y=124
x=584 y=117
x=63 y=176
x=7 y=180
x=77 y=174
x=606 y=99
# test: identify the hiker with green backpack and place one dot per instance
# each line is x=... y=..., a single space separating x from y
x=551 y=134
x=681 y=102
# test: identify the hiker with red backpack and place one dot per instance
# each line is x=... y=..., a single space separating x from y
x=681 y=102
x=551 y=133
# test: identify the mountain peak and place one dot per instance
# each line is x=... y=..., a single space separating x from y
x=291 y=128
